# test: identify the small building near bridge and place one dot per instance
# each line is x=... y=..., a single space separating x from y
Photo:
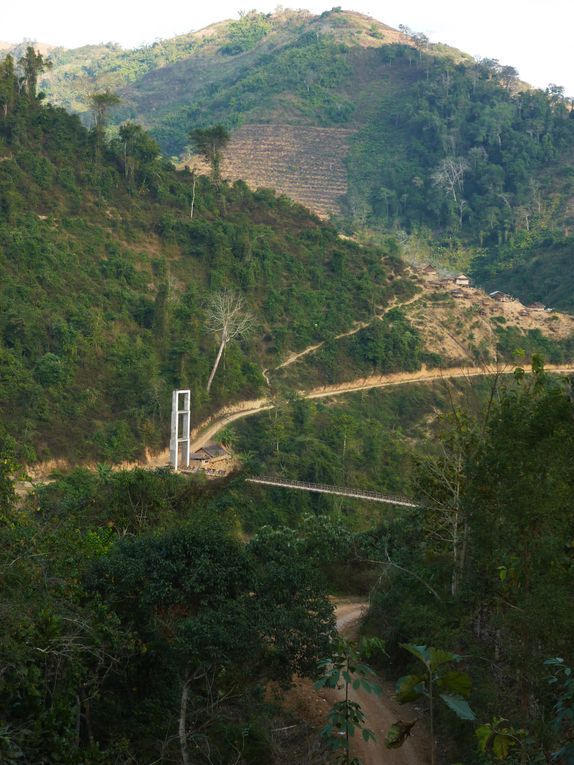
x=210 y=453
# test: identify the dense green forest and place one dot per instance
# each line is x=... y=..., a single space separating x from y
x=107 y=277
x=149 y=635
x=132 y=600
x=487 y=566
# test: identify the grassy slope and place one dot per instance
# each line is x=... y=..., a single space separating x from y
x=161 y=83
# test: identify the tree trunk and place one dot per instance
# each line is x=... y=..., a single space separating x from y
x=431 y=715
x=183 y=723
x=192 y=197
x=217 y=360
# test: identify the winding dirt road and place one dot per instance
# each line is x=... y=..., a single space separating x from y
x=381 y=711
x=206 y=430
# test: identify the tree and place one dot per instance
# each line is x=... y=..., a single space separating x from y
x=518 y=499
x=211 y=618
x=346 y=668
x=227 y=316
x=32 y=65
x=101 y=103
x=440 y=480
x=562 y=679
x=138 y=152
x=8 y=85
x=7 y=469
x=449 y=176
x=210 y=143
x=452 y=686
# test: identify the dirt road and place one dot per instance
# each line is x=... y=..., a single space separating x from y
x=206 y=430
x=381 y=711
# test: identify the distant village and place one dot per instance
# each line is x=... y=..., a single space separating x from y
x=458 y=287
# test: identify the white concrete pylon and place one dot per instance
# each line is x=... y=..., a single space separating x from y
x=180 y=427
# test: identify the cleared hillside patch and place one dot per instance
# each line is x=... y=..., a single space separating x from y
x=304 y=163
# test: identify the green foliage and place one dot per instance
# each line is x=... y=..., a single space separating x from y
x=499 y=738
x=562 y=680
x=494 y=542
x=512 y=343
x=346 y=668
x=8 y=468
x=389 y=345
x=32 y=64
x=246 y=33
x=386 y=345
x=207 y=620
x=459 y=132
x=210 y=143
x=532 y=264
x=308 y=69
x=463 y=150
x=122 y=597
x=362 y=440
x=105 y=282
x=453 y=686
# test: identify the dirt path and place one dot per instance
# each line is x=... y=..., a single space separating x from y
x=403 y=378
x=381 y=711
x=205 y=431
x=293 y=357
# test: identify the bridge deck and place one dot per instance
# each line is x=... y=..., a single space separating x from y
x=341 y=491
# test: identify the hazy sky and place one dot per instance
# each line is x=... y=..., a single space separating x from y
x=535 y=36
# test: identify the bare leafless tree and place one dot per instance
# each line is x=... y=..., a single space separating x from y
x=227 y=316
x=449 y=175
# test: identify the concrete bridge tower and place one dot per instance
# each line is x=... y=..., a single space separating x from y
x=180 y=428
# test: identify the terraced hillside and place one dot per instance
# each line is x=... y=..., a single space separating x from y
x=304 y=163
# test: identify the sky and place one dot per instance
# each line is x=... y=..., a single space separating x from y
x=532 y=35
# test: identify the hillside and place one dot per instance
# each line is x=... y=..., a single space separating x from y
x=424 y=139
x=304 y=163
x=106 y=283
x=440 y=326
x=107 y=280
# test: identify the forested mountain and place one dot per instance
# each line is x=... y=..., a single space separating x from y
x=150 y=617
x=456 y=152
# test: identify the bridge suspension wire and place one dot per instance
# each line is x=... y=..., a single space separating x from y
x=341 y=491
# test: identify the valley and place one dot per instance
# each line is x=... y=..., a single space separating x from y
x=301 y=275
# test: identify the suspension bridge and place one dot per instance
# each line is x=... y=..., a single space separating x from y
x=341 y=491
